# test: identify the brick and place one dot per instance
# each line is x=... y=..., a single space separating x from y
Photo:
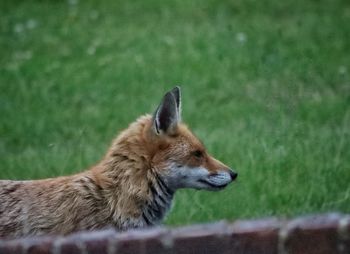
x=344 y=235
x=312 y=235
x=11 y=246
x=254 y=237
x=67 y=245
x=40 y=245
x=201 y=239
x=321 y=234
x=151 y=240
x=96 y=241
x=85 y=242
x=157 y=240
x=140 y=241
x=125 y=243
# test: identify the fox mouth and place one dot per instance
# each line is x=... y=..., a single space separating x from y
x=212 y=185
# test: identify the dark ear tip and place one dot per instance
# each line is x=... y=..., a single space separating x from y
x=170 y=96
x=176 y=89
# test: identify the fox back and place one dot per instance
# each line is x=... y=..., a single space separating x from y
x=131 y=187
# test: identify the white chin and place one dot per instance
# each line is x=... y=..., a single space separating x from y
x=204 y=185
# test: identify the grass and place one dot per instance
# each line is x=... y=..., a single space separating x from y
x=266 y=86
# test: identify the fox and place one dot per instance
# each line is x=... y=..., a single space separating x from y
x=132 y=186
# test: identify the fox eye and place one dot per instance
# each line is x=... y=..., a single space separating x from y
x=197 y=154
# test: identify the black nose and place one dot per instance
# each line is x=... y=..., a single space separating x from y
x=233 y=175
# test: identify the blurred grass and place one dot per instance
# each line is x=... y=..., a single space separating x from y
x=266 y=86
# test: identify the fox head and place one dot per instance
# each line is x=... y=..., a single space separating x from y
x=178 y=155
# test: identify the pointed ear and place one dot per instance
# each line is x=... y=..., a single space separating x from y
x=176 y=91
x=166 y=117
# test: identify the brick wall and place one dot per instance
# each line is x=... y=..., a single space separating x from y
x=328 y=233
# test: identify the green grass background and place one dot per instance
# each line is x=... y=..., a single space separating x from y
x=266 y=86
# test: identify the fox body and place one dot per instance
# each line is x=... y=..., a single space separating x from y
x=131 y=187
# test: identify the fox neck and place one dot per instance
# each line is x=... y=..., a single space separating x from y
x=136 y=194
x=155 y=209
x=139 y=203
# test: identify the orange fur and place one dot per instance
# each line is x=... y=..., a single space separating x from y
x=132 y=186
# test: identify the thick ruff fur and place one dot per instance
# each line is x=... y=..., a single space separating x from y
x=131 y=187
